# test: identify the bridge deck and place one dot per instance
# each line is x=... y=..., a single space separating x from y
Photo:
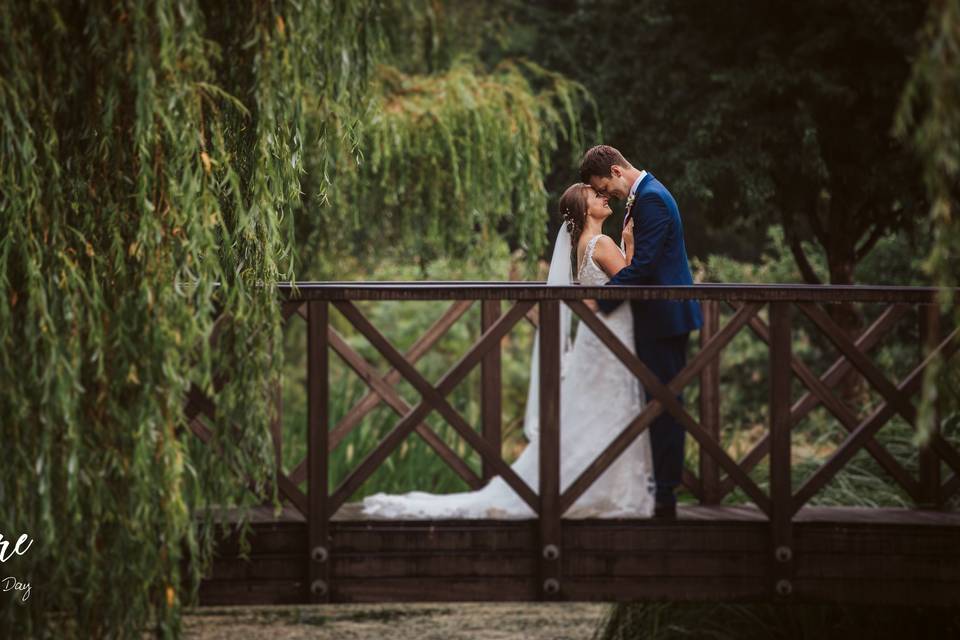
x=710 y=553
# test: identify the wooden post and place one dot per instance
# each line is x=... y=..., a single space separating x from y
x=710 y=403
x=549 y=483
x=318 y=420
x=781 y=489
x=276 y=427
x=929 y=320
x=491 y=388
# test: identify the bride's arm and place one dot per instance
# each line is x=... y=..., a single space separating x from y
x=607 y=254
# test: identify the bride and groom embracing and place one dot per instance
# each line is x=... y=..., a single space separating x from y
x=599 y=395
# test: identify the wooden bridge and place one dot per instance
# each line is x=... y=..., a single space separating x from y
x=776 y=546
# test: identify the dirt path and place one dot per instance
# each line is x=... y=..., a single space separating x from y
x=561 y=621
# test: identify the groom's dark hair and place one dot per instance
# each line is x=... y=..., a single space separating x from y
x=598 y=160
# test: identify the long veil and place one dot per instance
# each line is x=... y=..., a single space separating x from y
x=560 y=274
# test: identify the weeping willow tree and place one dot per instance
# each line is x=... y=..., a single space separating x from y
x=153 y=160
x=446 y=163
x=150 y=160
x=929 y=117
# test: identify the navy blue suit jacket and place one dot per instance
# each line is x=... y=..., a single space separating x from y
x=659 y=258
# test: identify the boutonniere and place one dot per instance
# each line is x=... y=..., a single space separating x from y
x=630 y=200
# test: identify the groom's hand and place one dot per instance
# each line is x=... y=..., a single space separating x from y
x=592 y=305
x=626 y=238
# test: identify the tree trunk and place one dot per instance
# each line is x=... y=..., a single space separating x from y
x=841 y=263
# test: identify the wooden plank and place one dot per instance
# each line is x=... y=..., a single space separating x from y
x=388 y=394
x=419 y=349
x=655 y=565
x=869 y=339
x=710 y=404
x=849 y=421
x=950 y=487
x=318 y=422
x=431 y=564
x=491 y=387
x=870 y=426
x=292 y=493
x=821 y=393
x=664 y=399
x=929 y=463
x=880 y=567
x=877 y=592
x=277 y=539
x=692 y=483
x=276 y=427
x=290 y=309
x=879 y=516
x=535 y=291
x=372 y=400
x=435 y=399
x=446 y=384
x=871 y=540
x=236 y=592
x=782 y=551
x=861 y=362
x=661 y=538
x=549 y=554
x=707 y=355
x=504 y=538
x=272 y=567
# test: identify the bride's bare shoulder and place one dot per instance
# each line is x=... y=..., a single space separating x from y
x=607 y=254
x=605 y=245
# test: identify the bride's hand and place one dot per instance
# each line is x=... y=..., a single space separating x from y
x=627 y=238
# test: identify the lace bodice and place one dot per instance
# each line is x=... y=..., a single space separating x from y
x=591 y=274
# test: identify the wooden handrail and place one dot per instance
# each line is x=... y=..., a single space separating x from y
x=476 y=290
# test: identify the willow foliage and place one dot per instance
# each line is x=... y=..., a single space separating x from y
x=929 y=117
x=447 y=162
x=149 y=149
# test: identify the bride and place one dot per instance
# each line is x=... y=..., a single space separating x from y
x=599 y=396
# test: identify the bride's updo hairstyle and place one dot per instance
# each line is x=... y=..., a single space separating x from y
x=573 y=209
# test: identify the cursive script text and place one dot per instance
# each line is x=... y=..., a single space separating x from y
x=10 y=583
x=18 y=548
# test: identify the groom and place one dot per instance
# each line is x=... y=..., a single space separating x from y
x=661 y=327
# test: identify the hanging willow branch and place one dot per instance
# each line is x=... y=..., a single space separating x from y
x=150 y=161
x=929 y=116
x=447 y=163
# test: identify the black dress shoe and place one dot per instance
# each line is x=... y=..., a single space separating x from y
x=665 y=512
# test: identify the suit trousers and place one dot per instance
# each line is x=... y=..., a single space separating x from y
x=665 y=357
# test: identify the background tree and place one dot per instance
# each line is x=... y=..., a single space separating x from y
x=754 y=113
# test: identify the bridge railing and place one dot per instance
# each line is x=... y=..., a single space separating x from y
x=718 y=474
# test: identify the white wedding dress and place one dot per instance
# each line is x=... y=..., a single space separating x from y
x=599 y=397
